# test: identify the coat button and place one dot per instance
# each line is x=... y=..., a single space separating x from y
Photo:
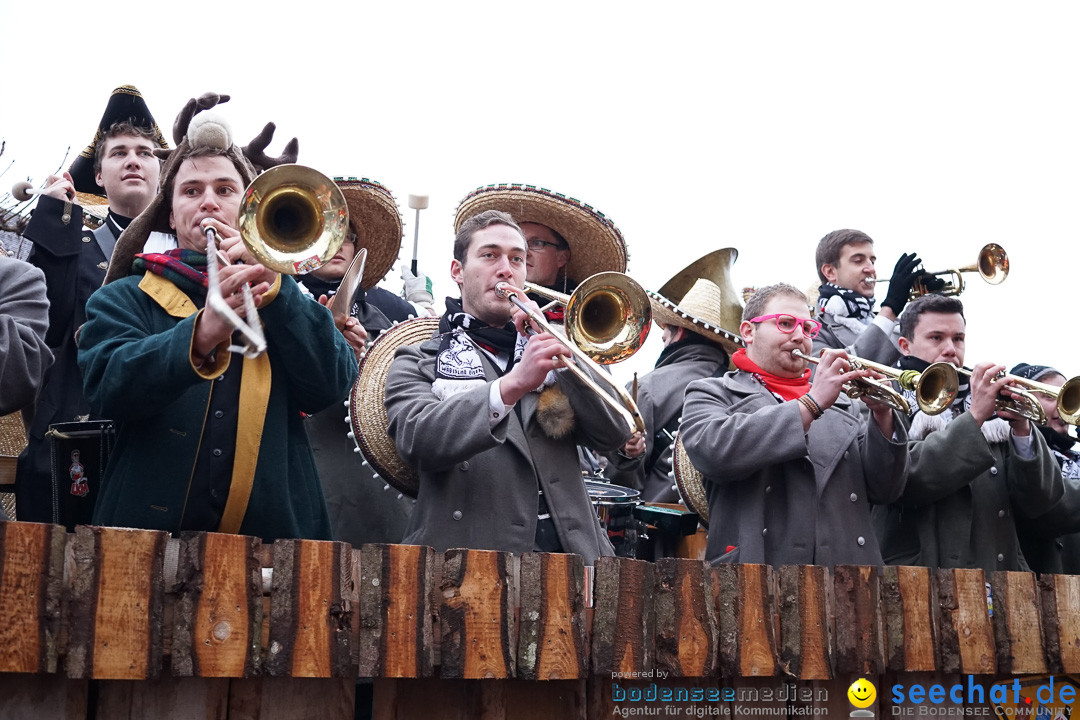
x=463 y=465
x=85 y=238
x=768 y=488
x=993 y=470
x=1001 y=513
x=854 y=497
x=217 y=452
x=861 y=541
x=846 y=453
x=1001 y=558
x=764 y=531
x=457 y=515
x=219 y=414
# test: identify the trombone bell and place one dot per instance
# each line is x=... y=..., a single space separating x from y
x=293 y=219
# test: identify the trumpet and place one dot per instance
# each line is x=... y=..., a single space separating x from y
x=615 y=396
x=608 y=315
x=935 y=388
x=992 y=265
x=1029 y=407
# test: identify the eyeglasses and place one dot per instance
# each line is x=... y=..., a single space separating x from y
x=538 y=245
x=788 y=323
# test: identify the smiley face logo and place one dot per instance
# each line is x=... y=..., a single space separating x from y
x=862 y=693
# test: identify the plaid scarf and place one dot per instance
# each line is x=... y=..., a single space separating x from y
x=186 y=269
x=847 y=303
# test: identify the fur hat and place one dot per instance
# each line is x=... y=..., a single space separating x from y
x=193 y=132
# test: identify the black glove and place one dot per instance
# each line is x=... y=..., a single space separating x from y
x=932 y=283
x=903 y=277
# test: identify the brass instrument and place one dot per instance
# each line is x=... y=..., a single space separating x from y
x=292 y=219
x=608 y=316
x=992 y=265
x=616 y=396
x=935 y=388
x=1028 y=406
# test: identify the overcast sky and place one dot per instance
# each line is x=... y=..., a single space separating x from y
x=934 y=127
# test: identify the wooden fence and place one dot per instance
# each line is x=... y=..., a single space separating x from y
x=110 y=622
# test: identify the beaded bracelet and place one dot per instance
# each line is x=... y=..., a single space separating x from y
x=810 y=404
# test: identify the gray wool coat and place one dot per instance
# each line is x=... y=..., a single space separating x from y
x=963 y=494
x=478 y=486
x=777 y=495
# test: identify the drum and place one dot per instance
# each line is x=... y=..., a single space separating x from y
x=80 y=452
x=615 y=507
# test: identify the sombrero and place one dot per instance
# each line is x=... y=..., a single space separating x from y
x=374 y=217
x=700 y=311
x=596 y=245
x=125 y=103
x=688 y=480
x=367 y=403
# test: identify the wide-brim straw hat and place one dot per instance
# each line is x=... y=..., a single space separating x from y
x=376 y=220
x=126 y=103
x=367 y=403
x=700 y=311
x=596 y=245
x=689 y=481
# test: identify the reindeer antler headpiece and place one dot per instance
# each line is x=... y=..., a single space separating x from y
x=192 y=131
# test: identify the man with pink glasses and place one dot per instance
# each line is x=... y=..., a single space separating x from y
x=789 y=469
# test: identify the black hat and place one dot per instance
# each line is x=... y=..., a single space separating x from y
x=125 y=103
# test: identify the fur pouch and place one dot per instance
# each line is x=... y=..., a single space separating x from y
x=554 y=413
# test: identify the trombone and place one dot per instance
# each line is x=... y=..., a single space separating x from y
x=292 y=219
x=992 y=265
x=1029 y=407
x=616 y=396
x=935 y=388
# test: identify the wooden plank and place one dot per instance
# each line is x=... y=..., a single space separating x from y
x=747 y=609
x=116 y=606
x=288 y=698
x=310 y=619
x=967 y=637
x=687 y=627
x=405 y=699
x=31 y=585
x=860 y=637
x=479 y=639
x=805 y=608
x=167 y=697
x=55 y=697
x=1017 y=626
x=623 y=629
x=551 y=631
x=1060 y=603
x=217 y=620
x=396 y=636
x=910 y=619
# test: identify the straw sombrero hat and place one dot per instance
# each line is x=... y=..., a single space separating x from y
x=374 y=217
x=367 y=403
x=596 y=245
x=691 y=488
x=125 y=104
x=700 y=311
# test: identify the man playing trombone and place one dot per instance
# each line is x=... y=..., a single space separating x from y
x=488 y=420
x=973 y=468
x=208 y=440
x=789 y=469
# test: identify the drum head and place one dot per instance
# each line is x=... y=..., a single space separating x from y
x=689 y=482
x=605 y=492
x=367 y=403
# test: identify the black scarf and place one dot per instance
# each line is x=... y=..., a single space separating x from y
x=963 y=393
x=1061 y=443
x=858 y=307
x=454 y=362
x=690 y=338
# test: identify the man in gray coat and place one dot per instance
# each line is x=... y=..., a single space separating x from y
x=973 y=468
x=488 y=420
x=790 y=470
x=24 y=318
x=846 y=266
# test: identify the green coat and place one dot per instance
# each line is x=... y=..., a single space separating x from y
x=134 y=354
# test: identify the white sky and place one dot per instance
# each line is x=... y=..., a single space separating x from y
x=934 y=127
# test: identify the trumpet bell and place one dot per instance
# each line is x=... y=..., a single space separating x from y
x=608 y=317
x=293 y=219
x=993 y=264
x=1068 y=404
x=936 y=388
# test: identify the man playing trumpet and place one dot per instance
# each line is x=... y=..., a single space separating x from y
x=789 y=469
x=208 y=440
x=488 y=419
x=973 y=468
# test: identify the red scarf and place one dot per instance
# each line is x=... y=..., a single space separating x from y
x=787 y=388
